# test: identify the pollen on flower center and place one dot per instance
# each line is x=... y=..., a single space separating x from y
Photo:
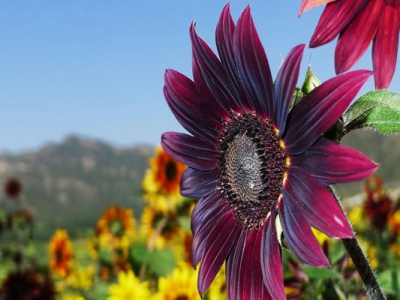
x=252 y=165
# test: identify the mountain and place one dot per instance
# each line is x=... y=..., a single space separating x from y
x=68 y=185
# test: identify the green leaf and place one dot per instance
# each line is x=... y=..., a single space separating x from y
x=320 y=273
x=378 y=109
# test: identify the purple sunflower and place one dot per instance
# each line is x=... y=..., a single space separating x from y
x=358 y=23
x=252 y=158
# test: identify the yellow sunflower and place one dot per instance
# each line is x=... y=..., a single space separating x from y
x=181 y=284
x=162 y=179
x=128 y=287
x=61 y=253
x=118 y=222
x=158 y=227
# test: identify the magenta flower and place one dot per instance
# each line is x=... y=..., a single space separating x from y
x=252 y=158
x=358 y=23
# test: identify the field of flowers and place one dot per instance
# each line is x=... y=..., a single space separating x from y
x=148 y=256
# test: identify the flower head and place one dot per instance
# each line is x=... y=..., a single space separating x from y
x=181 y=284
x=161 y=181
x=128 y=287
x=61 y=253
x=252 y=158
x=358 y=23
x=117 y=222
x=12 y=188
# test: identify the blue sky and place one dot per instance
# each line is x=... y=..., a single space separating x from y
x=95 y=68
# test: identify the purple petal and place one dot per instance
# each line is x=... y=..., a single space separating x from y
x=253 y=65
x=331 y=163
x=224 y=41
x=271 y=263
x=205 y=207
x=285 y=85
x=334 y=18
x=355 y=39
x=186 y=104
x=385 y=45
x=320 y=109
x=213 y=216
x=194 y=152
x=298 y=234
x=233 y=266
x=303 y=192
x=216 y=249
x=210 y=77
x=195 y=183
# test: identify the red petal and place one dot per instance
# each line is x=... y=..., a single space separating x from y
x=303 y=192
x=334 y=18
x=320 y=109
x=218 y=245
x=299 y=236
x=271 y=262
x=195 y=183
x=355 y=39
x=385 y=45
x=331 y=163
x=196 y=153
x=252 y=65
x=285 y=85
x=309 y=4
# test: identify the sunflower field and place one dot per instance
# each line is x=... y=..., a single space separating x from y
x=149 y=256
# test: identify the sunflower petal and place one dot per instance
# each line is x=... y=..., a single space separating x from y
x=204 y=208
x=385 y=45
x=355 y=39
x=285 y=85
x=331 y=163
x=217 y=246
x=195 y=183
x=271 y=264
x=298 y=234
x=334 y=18
x=184 y=101
x=304 y=192
x=253 y=66
x=211 y=77
x=209 y=219
x=309 y=4
x=191 y=151
x=320 y=109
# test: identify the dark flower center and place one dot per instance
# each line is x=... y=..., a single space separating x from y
x=252 y=164
x=171 y=170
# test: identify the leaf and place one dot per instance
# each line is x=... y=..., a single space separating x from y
x=320 y=273
x=379 y=109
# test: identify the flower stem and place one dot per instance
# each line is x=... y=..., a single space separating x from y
x=363 y=267
x=374 y=291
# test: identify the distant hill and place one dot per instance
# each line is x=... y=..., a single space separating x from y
x=68 y=185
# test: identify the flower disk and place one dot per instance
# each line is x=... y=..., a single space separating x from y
x=252 y=157
x=251 y=174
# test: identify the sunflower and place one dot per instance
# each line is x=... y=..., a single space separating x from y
x=61 y=253
x=251 y=158
x=181 y=284
x=12 y=188
x=27 y=284
x=161 y=181
x=159 y=227
x=116 y=221
x=358 y=23
x=128 y=287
